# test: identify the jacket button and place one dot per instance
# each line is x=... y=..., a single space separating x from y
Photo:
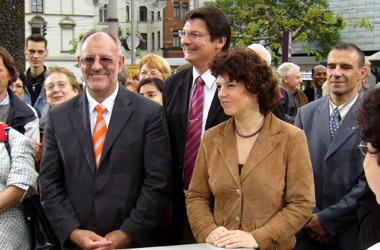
x=96 y=197
x=238 y=192
x=237 y=218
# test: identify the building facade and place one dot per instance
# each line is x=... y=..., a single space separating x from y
x=173 y=14
x=61 y=21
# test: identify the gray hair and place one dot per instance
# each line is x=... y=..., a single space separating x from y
x=256 y=46
x=116 y=40
x=286 y=69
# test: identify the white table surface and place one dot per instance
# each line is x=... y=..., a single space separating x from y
x=203 y=246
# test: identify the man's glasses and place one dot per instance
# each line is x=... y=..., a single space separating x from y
x=191 y=34
x=89 y=61
x=51 y=86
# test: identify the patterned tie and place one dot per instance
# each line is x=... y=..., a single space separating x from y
x=334 y=122
x=194 y=132
x=99 y=135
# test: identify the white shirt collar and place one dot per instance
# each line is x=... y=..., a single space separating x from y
x=5 y=101
x=344 y=108
x=107 y=103
x=207 y=77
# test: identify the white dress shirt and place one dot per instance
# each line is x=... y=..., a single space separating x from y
x=208 y=91
x=107 y=103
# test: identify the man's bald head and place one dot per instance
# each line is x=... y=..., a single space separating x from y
x=262 y=52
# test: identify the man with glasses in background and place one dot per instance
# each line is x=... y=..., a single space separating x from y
x=333 y=137
x=191 y=104
x=36 y=51
x=105 y=175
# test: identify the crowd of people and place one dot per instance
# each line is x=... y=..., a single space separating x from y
x=227 y=151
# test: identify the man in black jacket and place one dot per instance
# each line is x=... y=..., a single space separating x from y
x=206 y=32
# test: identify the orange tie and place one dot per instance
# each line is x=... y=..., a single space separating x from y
x=99 y=134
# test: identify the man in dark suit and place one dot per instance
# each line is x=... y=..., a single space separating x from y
x=333 y=138
x=319 y=75
x=105 y=193
x=206 y=33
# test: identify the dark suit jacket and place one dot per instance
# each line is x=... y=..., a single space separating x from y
x=338 y=169
x=176 y=97
x=369 y=220
x=310 y=94
x=131 y=188
x=19 y=113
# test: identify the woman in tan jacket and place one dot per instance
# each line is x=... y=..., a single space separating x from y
x=252 y=184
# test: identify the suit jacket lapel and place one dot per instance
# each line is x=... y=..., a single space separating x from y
x=214 y=110
x=226 y=144
x=265 y=143
x=184 y=89
x=346 y=129
x=322 y=123
x=80 y=121
x=121 y=113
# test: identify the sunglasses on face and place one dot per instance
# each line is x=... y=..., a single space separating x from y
x=89 y=61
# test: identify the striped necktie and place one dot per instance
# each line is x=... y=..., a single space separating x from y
x=194 y=131
x=99 y=134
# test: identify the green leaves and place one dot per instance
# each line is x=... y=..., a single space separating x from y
x=310 y=22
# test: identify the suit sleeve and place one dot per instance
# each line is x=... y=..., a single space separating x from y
x=335 y=217
x=53 y=196
x=298 y=119
x=155 y=192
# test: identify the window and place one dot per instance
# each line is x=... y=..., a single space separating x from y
x=37 y=6
x=159 y=15
x=176 y=10
x=153 y=48
x=143 y=14
x=144 y=44
x=158 y=39
x=185 y=8
x=36 y=30
x=67 y=33
x=175 y=39
x=38 y=25
x=127 y=14
x=152 y=16
x=103 y=14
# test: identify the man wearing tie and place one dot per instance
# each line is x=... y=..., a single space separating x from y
x=333 y=137
x=105 y=176
x=191 y=103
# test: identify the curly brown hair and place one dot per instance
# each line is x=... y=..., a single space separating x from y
x=368 y=116
x=244 y=65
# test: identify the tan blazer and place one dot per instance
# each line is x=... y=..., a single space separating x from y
x=273 y=197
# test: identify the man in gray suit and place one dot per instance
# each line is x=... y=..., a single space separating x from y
x=333 y=138
x=105 y=175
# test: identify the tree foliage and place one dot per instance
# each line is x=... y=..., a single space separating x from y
x=310 y=22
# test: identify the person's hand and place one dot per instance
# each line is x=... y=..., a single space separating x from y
x=88 y=240
x=37 y=151
x=316 y=231
x=119 y=239
x=236 y=239
x=215 y=234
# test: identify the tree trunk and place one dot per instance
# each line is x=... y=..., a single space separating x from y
x=12 y=29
